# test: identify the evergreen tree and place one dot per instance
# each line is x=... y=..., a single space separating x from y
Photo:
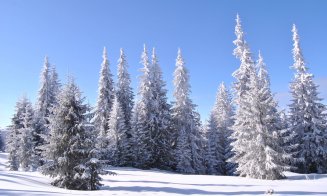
x=162 y=132
x=213 y=150
x=117 y=136
x=26 y=152
x=257 y=123
x=225 y=122
x=262 y=157
x=18 y=144
x=70 y=152
x=11 y=148
x=242 y=75
x=143 y=117
x=219 y=131
x=307 y=115
x=54 y=86
x=12 y=143
x=189 y=156
x=125 y=97
x=42 y=109
x=104 y=104
x=46 y=99
x=43 y=101
x=152 y=121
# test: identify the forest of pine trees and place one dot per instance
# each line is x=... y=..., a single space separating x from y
x=245 y=133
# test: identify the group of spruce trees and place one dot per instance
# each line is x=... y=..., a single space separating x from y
x=245 y=134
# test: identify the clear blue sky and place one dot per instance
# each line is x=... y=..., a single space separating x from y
x=73 y=33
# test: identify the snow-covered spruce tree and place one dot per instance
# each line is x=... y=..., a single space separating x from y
x=70 y=152
x=256 y=127
x=26 y=149
x=285 y=136
x=225 y=121
x=218 y=134
x=275 y=121
x=14 y=137
x=307 y=115
x=242 y=75
x=262 y=157
x=11 y=148
x=142 y=111
x=162 y=121
x=55 y=86
x=189 y=156
x=213 y=149
x=288 y=141
x=12 y=142
x=117 y=135
x=151 y=121
x=45 y=101
x=104 y=103
x=125 y=97
x=141 y=116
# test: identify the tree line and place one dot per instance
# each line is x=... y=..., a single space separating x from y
x=245 y=133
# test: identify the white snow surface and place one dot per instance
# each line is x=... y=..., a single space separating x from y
x=131 y=181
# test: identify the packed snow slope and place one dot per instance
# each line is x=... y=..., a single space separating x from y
x=130 y=181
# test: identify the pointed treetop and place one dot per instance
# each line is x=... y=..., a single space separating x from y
x=179 y=60
x=239 y=42
x=296 y=38
x=238 y=19
x=46 y=64
x=121 y=57
x=222 y=86
x=154 y=55
x=263 y=75
x=299 y=63
x=259 y=55
x=145 y=51
x=104 y=53
x=46 y=59
x=105 y=63
x=179 y=52
x=121 y=61
x=144 y=48
x=294 y=29
x=145 y=57
x=153 y=51
x=70 y=79
x=260 y=62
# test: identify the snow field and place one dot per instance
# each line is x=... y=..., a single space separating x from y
x=131 y=181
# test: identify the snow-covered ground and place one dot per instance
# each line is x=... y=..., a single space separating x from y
x=130 y=181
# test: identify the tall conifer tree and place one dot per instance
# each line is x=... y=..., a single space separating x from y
x=125 y=97
x=189 y=156
x=71 y=156
x=307 y=115
x=104 y=105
